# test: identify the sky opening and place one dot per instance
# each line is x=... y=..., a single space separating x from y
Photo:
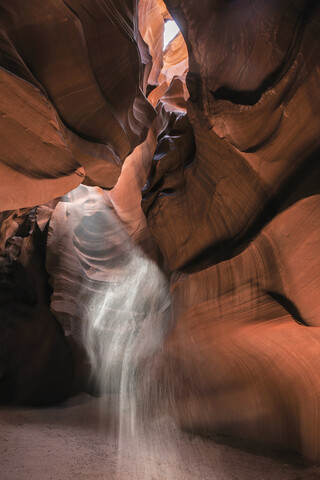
x=171 y=29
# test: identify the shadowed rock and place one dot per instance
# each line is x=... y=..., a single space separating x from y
x=231 y=201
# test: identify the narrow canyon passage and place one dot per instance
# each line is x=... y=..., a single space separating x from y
x=159 y=239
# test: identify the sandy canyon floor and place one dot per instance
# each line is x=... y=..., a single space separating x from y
x=68 y=442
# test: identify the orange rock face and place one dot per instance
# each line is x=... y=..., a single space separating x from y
x=76 y=110
x=239 y=226
x=220 y=137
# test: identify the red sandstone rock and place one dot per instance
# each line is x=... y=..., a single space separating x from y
x=231 y=200
x=36 y=364
x=97 y=112
x=246 y=343
x=245 y=300
x=231 y=182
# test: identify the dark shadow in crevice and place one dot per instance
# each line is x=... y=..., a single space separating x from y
x=251 y=97
x=289 y=307
x=303 y=183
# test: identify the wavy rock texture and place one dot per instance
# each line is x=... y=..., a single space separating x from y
x=235 y=213
x=246 y=343
x=97 y=275
x=76 y=111
x=126 y=196
x=77 y=254
x=169 y=66
x=231 y=198
x=151 y=25
x=175 y=60
x=231 y=182
x=73 y=255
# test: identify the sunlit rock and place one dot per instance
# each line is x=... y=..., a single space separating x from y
x=206 y=153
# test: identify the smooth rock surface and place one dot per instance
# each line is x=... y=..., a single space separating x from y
x=230 y=205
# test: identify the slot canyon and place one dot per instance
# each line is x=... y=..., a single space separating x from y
x=159 y=240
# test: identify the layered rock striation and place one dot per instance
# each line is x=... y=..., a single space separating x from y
x=219 y=140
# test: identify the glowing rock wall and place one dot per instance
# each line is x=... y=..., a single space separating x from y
x=226 y=129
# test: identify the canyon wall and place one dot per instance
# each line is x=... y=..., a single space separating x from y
x=219 y=140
